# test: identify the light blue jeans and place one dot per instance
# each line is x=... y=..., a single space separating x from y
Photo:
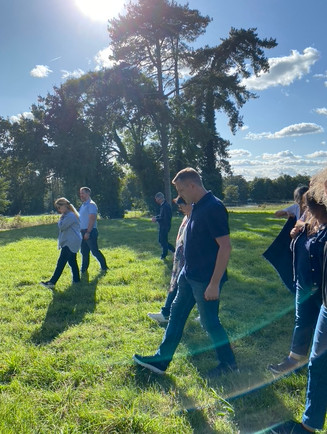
x=316 y=398
x=191 y=292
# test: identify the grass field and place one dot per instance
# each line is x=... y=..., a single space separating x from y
x=65 y=356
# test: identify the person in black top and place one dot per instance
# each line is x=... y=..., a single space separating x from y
x=164 y=222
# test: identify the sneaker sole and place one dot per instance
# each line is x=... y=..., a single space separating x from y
x=148 y=366
x=285 y=372
x=47 y=286
x=159 y=320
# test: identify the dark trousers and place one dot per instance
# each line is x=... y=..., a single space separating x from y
x=163 y=241
x=165 y=310
x=91 y=245
x=66 y=255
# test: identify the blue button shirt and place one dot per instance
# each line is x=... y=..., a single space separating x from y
x=87 y=208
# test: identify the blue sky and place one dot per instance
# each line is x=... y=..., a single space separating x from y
x=44 y=42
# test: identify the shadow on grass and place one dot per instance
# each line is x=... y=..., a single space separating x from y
x=195 y=416
x=66 y=309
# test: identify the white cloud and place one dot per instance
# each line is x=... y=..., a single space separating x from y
x=283 y=154
x=317 y=154
x=284 y=70
x=102 y=59
x=240 y=153
x=17 y=118
x=294 y=130
x=321 y=111
x=274 y=165
x=40 y=71
x=77 y=73
x=55 y=59
x=320 y=75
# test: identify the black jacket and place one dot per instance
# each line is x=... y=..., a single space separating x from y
x=164 y=217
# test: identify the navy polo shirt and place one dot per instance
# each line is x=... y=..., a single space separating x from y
x=209 y=220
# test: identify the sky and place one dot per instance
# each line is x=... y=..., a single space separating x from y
x=45 y=42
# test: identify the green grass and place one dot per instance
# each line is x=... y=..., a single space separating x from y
x=65 y=357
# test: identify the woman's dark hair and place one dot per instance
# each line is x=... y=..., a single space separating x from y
x=299 y=192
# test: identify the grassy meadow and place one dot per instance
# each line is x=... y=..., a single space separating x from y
x=65 y=355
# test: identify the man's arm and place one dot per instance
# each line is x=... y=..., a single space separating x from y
x=92 y=219
x=212 y=292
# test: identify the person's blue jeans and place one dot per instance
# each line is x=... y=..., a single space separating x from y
x=91 y=245
x=190 y=292
x=316 y=398
x=66 y=255
x=307 y=307
x=165 y=310
x=163 y=241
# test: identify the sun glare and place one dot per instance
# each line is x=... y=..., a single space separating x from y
x=100 y=10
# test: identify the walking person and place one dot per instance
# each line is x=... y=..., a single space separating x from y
x=69 y=241
x=313 y=417
x=164 y=221
x=88 y=218
x=178 y=263
x=207 y=251
x=307 y=247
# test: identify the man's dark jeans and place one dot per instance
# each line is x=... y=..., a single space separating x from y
x=191 y=292
x=163 y=241
x=66 y=255
x=91 y=245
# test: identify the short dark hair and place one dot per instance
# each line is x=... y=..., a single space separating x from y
x=188 y=174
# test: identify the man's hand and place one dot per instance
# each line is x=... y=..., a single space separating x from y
x=212 y=292
x=153 y=219
x=86 y=236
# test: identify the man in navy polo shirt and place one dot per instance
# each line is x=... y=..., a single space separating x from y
x=207 y=250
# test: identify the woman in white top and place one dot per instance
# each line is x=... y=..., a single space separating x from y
x=297 y=208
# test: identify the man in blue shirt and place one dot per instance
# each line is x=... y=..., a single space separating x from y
x=88 y=219
x=207 y=249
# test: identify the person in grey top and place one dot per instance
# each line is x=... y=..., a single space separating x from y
x=69 y=241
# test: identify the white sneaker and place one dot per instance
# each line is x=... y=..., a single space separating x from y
x=158 y=317
x=48 y=284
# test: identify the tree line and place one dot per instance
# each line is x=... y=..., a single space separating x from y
x=125 y=129
x=237 y=190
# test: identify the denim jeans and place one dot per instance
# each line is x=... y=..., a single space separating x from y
x=91 y=245
x=190 y=292
x=316 y=398
x=307 y=306
x=163 y=241
x=66 y=255
x=165 y=310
